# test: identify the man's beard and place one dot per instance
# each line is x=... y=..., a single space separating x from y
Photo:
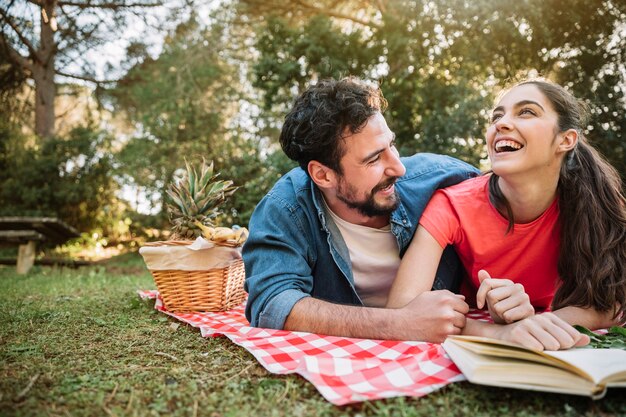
x=369 y=207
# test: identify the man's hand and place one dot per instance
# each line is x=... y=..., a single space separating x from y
x=542 y=332
x=433 y=315
x=507 y=302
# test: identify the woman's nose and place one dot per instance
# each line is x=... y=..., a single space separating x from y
x=503 y=123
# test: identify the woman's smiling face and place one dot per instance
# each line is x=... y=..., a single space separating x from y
x=523 y=135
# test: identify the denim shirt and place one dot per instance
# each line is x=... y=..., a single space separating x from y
x=295 y=249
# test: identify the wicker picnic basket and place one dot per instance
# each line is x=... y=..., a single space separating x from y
x=203 y=288
x=205 y=274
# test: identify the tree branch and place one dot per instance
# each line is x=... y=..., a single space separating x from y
x=85 y=78
x=35 y=2
x=273 y=6
x=111 y=6
x=336 y=14
x=16 y=56
x=20 y=35
x=73 y=35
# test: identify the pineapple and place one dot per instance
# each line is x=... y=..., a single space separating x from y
x=196 y=199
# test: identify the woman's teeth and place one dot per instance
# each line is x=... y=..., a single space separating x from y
x=508 y=146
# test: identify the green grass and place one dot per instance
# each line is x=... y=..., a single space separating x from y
x=91 y=347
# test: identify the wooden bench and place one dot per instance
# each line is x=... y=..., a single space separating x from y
x=28 y=231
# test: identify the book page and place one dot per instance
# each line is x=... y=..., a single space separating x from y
x=499 y=348
x=509 y=372
x=603 y=365
x=598 y=365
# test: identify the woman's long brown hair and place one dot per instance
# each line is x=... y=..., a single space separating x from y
x=592 y=214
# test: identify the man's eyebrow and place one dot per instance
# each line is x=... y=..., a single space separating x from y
x=378 y=151
x=520 y=104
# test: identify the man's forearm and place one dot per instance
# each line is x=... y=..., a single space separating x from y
x=430 y=317
x=317 y=316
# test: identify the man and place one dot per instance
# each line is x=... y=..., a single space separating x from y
x=325 y=243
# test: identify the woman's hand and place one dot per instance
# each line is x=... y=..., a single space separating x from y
x=507 y=302
x=542 y=332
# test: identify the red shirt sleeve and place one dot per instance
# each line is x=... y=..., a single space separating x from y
x=440 y=219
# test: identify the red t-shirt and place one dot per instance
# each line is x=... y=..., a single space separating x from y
x=463 y=216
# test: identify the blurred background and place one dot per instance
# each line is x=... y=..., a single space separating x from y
x=101 y=101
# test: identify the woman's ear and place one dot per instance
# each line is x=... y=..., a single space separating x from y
x=321 y=175
x=568 y=140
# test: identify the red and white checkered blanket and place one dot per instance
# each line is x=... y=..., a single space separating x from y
x=344 y=370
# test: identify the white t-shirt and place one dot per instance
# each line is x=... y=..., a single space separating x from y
x=375 y=259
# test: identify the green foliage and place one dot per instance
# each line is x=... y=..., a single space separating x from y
x=293 y=56
x=197 y=118
x=435 y=99
x=66 y=177
x=12 y=82
x=182 y=104
x=9 y=137
x=254 y=166
x=441 y=64
x=430 y=109
x=615 y=338
x=221 y=92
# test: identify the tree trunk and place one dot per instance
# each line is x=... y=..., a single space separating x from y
x=44 y=100
x=43 y=73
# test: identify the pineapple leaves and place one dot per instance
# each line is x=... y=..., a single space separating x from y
x=196 y=198
x=206 y=175
x=192 y=207
x=175 y=195
x=191 y=177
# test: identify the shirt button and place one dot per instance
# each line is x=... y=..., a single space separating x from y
x=404 y=221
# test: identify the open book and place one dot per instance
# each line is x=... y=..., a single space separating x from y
x=574 y=371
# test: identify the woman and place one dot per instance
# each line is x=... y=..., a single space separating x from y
x=551 y=217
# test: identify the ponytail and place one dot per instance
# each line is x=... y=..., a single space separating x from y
x=592 y=259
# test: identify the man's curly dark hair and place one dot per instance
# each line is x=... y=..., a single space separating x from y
x=321 y=117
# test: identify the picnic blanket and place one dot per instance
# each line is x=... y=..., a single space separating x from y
x=344 y=370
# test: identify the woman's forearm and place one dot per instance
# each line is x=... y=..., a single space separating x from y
x=587 y=317
x=541 y=331
x=417 y=269
x=481 y=328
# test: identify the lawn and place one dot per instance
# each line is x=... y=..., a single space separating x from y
x=80 y=342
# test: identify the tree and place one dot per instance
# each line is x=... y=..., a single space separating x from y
x=12 y=80
x=441 y=63
x=48 y=38
x=194 y=101
x=292 y=56
x=69 y=178
x=180 y=105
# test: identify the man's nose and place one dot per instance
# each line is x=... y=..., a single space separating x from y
x=395 y=167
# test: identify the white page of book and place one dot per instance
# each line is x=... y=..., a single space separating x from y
x=515 y=373
x=598 y=363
